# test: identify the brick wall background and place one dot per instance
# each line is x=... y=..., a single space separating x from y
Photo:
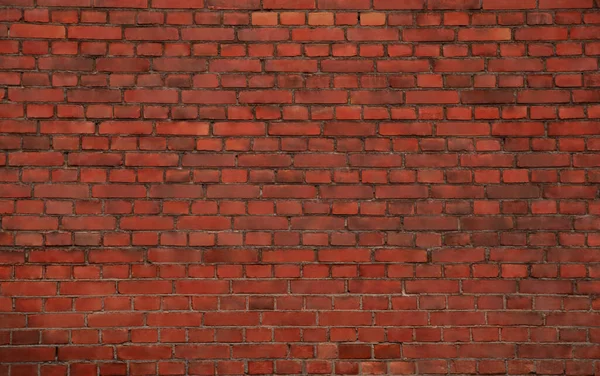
x=201 y=187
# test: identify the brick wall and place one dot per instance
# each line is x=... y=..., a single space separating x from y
x=229 y=187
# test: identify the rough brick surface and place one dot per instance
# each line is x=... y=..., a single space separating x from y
x=229 y=187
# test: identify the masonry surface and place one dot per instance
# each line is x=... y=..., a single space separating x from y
x=299 y=187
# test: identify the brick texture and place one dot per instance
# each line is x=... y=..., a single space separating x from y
x=299 y=187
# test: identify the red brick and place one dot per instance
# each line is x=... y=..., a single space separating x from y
x=265 y=96
x=94 y=32
x=93 y=95
x=430 y=223
x=431 y=97
x=35 y=95
x=546 y=33
x=189 y=4
x=453 y=4
x=487 y=34
x=264 y=34
x=179 y=64
x=201 y=351
x=121 y=3
x=151 y=33
x=428 y=35
x=508 y=4
x=122 y=65
x=151 y=96
x=208 y=97
x=32 y=354
x=30 y=223
x=37 y=31
x=144 y=352
x=233 y=4
x=488 y=97
x=399 y=5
